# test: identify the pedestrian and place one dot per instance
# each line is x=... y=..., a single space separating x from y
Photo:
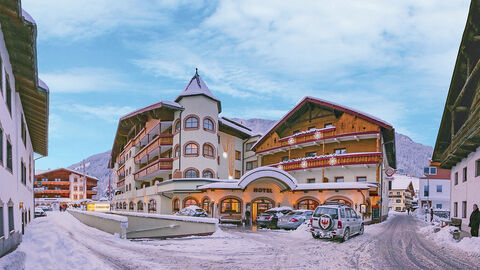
x=474 y=221
x=408 y=210
x=431 y=214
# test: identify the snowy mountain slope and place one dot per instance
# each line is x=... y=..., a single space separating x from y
x=412 y=157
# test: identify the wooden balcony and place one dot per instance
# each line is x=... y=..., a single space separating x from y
x=161 y=164
x=56 y=183
x=162 y=140
x=330 y=161
x=91 y=192
x=58 y=192
x=121 y=182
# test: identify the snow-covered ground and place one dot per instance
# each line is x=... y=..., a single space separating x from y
x=59 y=241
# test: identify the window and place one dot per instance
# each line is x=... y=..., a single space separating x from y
x=74 y=197
x=329 y=125
x=339 y=179
x=464 y=209
x=23 y=173
x=8 y=97
x=307 y=204
x=361 y=179
x=439 y=188
x=9 y=156
x=152 y=206
x=455 y=209
x=310 y=154
x=1 y=145
x=456 y=178
x=249 y=145
x=465 y=174
x=250 y=165
x=285 y=158
x=177 y=126
x=237 y=174
x=230 y=205
x=311 y=180
x=11 y=224
x=425 y=191
x=176 y=205
x=398 y=201
x=438 y=206
x=191 y=174
x=206 y=205
x=398 y=192
x=139 y=206
x=238 y=155
x=177 y=151
x=477 y=167
x=191 y=149
x=2 y=233
x=426 y=170
x=208 y=151
x=24 y=131
x=207 y=174
x=340 y=151
x=74 y=188
x=191 y=122
x=189 y=201
x=208 y=124
x=389 y=185
x=130 y=206
x=430 y=170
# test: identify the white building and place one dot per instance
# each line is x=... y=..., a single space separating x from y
x=23 y=121
x=435 y=188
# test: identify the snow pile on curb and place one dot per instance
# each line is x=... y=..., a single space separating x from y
x=101 y=215
x=171 y=217
x=302 y=232
x=467 y=244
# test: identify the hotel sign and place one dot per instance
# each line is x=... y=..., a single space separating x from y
x=263 y=190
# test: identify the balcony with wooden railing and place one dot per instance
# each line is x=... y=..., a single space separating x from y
x=56 y=183
x=330 y=161
x=161 y=164
x=53 y=191
x=316 y=137
x=158 y=142
x=121 y=183
x=91 y=192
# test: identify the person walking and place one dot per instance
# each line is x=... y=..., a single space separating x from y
x=474 y=221
x=408 y=210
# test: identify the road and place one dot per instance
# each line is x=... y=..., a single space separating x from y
x=60 y=240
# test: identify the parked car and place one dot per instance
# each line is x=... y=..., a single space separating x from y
x=39 y=212
x=270 y=217
x=45 y=208
x=231 y=217
x=336 y=220
x=192 y=211
x=294 y=218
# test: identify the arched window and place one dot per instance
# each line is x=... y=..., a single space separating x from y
x=307 y=204
x=177 y=126
x=191 y=149
x=189 y=201
x=191 y=122
x=130 y=206
x=139 y=206
x=176 y=152
x=230 y=205
x=207 y=174
x=208 y=124
x=176 y=205
x=206 y=205
x=208 y=151
x=152 y=206
x=191 y=173
x=124 y=205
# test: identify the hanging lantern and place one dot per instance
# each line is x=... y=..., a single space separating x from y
x=332 y=161
x=291 y=140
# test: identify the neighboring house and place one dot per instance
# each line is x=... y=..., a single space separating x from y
x=173 y=154
x=402 y=193
x=54 y=187
x=435 y=188
x=24 y=101
x=458 y=141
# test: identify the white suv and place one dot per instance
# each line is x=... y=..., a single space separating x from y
x=335 y=220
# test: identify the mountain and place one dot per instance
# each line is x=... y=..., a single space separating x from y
x=412 y=157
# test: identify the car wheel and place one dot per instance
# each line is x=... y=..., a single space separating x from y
x=346 y=235
x=362 y=228
x=315 y=236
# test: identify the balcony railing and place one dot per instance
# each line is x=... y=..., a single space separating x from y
x=91 y=192
x=163 y=139
x=329 y=161
x=160 y=164
x=65 y=192
x=55 y=183
x=121 y=183
x=317 y=136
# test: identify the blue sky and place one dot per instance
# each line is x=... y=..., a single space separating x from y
x=103 y=59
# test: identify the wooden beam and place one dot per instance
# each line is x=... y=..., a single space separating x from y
x=466 y=85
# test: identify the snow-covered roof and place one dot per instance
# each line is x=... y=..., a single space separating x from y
x=221 y=185
x=339 y=185
x=196 y=87
x=170 y=217
x=39 y=172
x=325 y=157
x=27 y=17
x=235 y=125
x=401 y=181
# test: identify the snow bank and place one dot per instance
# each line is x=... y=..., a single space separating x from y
x=172 y=217
x=302 y=232
x=102 y=215
x=468 y=244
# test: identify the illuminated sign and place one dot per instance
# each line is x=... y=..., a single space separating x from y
x=98 y=207
x=263 y=190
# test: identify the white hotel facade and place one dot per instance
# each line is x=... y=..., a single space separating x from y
x=23 y=121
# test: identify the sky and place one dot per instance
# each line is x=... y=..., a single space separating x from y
x=103 y=59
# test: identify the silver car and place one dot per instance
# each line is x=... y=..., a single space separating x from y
x=336 y=220
x=294 y=218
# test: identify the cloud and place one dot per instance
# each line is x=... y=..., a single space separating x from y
x=107 y=113
x=79 y=80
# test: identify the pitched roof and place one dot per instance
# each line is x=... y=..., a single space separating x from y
x=401 y=181
x=197 y=87
x=42 y=172
x=229 y=123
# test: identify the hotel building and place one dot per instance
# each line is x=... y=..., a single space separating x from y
x=23 y=121
x=401 y=193
x=458 y=141
x=55 y=187
x=174 y=154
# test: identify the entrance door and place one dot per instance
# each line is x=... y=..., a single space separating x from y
x=259 y=206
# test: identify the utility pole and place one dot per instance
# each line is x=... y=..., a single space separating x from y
x=84 y=181
x=109 y=193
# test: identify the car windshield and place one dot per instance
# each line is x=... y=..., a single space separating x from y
x=333 y=212
x=293 y=213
